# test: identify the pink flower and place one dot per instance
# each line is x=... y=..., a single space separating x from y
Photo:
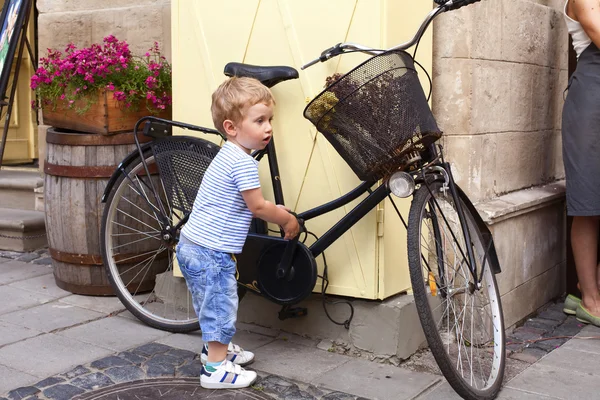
x=110 y=86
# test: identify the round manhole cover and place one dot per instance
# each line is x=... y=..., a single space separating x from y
x=169 y=389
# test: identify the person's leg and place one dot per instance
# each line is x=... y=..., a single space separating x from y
x=584 y=240
x=217 y=352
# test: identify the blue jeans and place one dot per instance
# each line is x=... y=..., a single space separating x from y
x=210 y=278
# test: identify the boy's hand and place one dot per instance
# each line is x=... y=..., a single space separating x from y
x=291 y=228
x=284 y=207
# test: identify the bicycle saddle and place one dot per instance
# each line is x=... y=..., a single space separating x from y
x=269 y=76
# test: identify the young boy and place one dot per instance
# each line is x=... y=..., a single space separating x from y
x=242 y=109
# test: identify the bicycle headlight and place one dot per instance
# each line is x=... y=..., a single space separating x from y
x=401 y=184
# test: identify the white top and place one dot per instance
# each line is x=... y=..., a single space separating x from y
x=580 y=39
x=220 y=218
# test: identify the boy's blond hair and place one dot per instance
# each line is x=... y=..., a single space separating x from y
x=234 y=96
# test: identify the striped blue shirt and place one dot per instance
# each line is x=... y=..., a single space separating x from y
x=220 y=218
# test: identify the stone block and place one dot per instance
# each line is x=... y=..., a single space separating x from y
x=452 y=85
x=386 y=328
x=528 y=40
x=473 y=160
x=492 y=94
x=452 y=34
x=525 y=299
x=487 y=30
x=538 y=248
x=139 y=25
x=52 y=6
x=522 y=159
x=559 y=98
x=42 y=129
x=545 y=87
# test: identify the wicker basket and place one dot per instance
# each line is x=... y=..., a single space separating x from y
x=375 y=114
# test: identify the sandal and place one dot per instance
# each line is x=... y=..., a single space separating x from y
x=571 y=304
x=583 y=315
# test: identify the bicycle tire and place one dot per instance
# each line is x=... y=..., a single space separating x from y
x=448 y=336
x=131 y=234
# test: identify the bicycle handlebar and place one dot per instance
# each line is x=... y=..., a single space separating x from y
x=341 y=48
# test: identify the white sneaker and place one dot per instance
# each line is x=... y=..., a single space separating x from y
x=227 y=376
x=235 y=354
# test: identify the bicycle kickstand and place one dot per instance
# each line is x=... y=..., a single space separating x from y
x=292 y=312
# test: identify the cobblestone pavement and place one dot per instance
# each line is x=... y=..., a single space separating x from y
x=152 y=364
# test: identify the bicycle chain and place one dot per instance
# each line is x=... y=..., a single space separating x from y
x=23 y=237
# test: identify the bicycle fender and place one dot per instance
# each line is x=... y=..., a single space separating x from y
x=123 y=164
x=488 y=240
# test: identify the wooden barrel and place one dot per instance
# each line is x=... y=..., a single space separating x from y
x=77 y=167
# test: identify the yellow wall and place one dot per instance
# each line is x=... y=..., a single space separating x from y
x=208 y=34
x=21 y=144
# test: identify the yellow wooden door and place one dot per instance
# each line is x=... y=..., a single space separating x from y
x=21 y=145
x=368 y=261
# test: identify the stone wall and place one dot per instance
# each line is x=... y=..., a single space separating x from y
x=500 y=69
x=84 y=22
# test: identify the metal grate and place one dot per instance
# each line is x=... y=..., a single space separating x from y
x=182 y=162
x=375 y=114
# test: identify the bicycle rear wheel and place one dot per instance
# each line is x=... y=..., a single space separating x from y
x=138 y=239
x=462 y=321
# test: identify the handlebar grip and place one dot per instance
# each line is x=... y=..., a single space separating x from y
x=456 y=4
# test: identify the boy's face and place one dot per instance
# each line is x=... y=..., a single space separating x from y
x=254 y=131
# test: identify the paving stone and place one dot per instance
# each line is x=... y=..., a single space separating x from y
x=524 y=334
x=549 y=345
x=165 y=359
x=10 y=333
x=540 y=323
x=115 y=333
x=151 y=349
x=132 y=357
x=529 y=355
x=23 y=392
x=555 y=315
x=77 y=371
x=12 y=299
x=190 y=370
x=62 y=392
x=157 y=370
x=297 y=394
x=44 y=284
x=380 y=381
x=570 y=327
x=49 y=382
x=12 y=271
x=11 y=378
x=111 y=361
x=48 y=355
x=43 y=261
x=125 y=374
x=184 y=355
x=51 y=316
x=276 y=384
x=341 y=396
x=28 y=257
x=325 y=345
x=93 y=381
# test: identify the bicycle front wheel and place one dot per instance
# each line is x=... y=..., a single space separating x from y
x=461 y=318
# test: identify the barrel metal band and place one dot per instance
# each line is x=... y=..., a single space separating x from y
x=88 y=171
x=96 y=259
x=79 y=139
x=77 y=171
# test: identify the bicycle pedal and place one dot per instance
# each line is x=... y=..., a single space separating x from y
x=292 y=312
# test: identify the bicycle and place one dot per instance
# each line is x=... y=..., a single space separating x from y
x=452 y=258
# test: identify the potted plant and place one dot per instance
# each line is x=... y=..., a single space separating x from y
x=102 y=88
